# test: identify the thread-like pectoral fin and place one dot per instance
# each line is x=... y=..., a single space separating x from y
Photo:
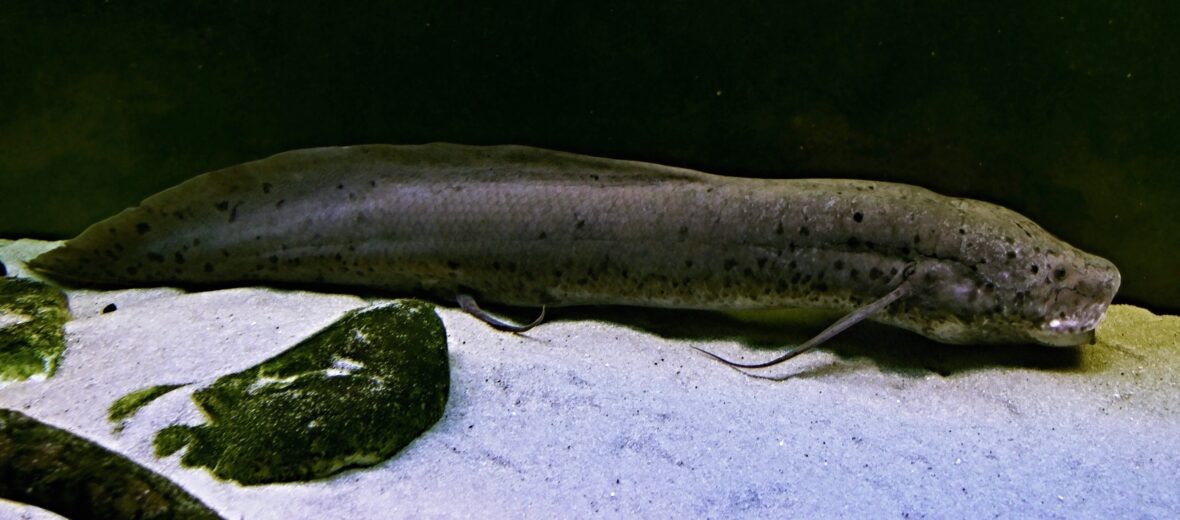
x=467 y=303
x=854 y=317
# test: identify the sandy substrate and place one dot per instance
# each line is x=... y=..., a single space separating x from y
x=608 y=411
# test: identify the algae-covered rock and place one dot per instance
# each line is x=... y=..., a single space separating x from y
x=31 y=336
x=60 y=472
x=351 y=395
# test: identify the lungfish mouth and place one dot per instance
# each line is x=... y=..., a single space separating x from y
x=1063 y=337
x=1068 y=330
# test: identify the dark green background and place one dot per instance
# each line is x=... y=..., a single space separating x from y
x=1066 y=112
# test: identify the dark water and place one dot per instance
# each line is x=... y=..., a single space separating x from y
x=1067 y=112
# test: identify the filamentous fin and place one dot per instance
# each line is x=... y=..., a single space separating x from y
x=467 y=303
x=903 y=289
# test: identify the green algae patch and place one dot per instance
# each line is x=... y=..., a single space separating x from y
x=32 y=339
x=351 y=395
x=127 y=405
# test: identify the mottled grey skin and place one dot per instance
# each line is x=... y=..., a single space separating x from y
x=525 y=226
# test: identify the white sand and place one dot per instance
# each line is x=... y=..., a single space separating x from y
x=584 y=417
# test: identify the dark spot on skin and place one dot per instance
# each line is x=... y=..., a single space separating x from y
x=1059 y=274
x=730 y=263
x=155 y=257
x=875 y=273
x=893 y=271
x=233 y=214
x=839 y=265
x=804 y=231
x=778 y=230
x=208 y=267
x=110 y=308
x=1034 y=268
x=266 y=187
x=858 y=216
x=372 y=184
x=339 y=186
x=222 y=206
x=142 y=227
x=1011 y=255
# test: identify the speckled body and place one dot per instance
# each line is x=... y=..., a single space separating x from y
x=525 y=226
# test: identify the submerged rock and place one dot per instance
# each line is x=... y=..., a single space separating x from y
x=351 y=395
x=31 y=336
x=55 y=470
